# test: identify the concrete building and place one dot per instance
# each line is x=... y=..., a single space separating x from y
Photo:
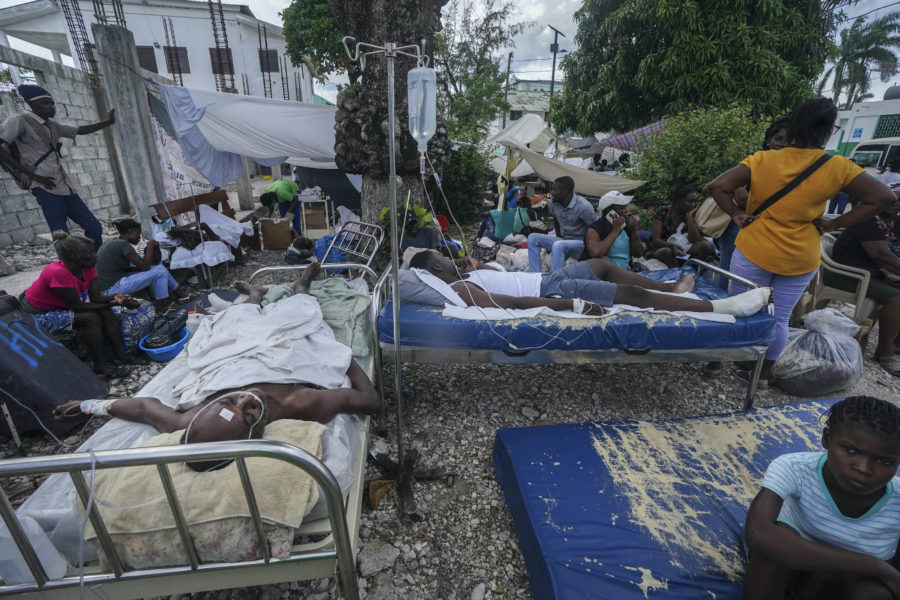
x=193 y=54
x=526 y=97
x=865 y=121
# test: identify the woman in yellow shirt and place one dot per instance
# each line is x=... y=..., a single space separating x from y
x=779 y=247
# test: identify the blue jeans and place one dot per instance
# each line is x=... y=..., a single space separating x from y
x=157 y=277
x=282 y=210
x=726 y=249
x=786 y=291
x=578 y=281
x=560 y=249
x=58 y=209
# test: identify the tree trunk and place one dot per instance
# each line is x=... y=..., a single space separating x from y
x=373 y=187
x=361 y=121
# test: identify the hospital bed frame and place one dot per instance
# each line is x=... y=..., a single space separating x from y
x=339 y=533
x=438 y=355
x=307 y=561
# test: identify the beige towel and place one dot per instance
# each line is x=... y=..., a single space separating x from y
x=284 y=493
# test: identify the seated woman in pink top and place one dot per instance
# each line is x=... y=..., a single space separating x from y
x=66 y=295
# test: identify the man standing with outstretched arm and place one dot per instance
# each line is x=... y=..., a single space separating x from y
x=37 y=137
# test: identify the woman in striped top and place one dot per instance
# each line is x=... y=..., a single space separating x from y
x=826 y=524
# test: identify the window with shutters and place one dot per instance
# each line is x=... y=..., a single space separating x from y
x=888 y=126
x=268 y=61
x=171 y=52
x=221 y=61
x=147 y=58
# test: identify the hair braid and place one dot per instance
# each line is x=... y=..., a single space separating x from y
x=876 y=414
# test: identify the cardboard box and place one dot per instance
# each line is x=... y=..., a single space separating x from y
x=315 y=217
x=276 y=234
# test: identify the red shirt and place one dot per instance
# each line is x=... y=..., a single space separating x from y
x=57 y=275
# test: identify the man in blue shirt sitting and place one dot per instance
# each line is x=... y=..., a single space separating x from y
x=572 y=214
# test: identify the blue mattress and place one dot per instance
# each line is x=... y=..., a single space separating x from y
x=423 y=325
x=641 y=510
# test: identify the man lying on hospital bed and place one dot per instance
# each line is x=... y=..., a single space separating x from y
x=589 y=287
x=252 y=364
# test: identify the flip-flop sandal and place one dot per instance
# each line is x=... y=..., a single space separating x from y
x=891 y=364
x=115 y=372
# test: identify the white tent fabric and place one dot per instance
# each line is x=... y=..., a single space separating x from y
x=530 y=131
x=265 y=127
x=498 y=165
x=586 y=182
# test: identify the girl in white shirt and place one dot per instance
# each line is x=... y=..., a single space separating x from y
x=826 y=524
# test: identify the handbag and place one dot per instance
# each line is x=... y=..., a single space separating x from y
x=711 y=219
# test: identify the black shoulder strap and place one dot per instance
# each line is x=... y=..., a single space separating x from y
x=793 y=184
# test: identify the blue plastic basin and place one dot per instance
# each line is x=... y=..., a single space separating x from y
x=166 y=352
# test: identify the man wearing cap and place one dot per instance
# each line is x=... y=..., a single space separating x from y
x=37 y=137
x=571 y=214
x=613 y=236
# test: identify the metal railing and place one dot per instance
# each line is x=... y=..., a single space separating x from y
x=160 y=457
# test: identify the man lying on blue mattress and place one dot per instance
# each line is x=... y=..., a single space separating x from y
x=253 y=363
x=588 y=287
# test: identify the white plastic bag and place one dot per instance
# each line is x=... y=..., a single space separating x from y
x=821 y=359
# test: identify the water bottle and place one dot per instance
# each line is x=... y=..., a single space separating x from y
x=12 y=566
x=421 y=89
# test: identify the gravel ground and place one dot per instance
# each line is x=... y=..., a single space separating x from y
x=467 y=547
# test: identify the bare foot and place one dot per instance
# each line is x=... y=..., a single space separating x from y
x=254 y=293
x=198 y=308
x=301 y=286
x=685 y=284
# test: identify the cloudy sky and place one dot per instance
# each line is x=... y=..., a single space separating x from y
x=532 y=51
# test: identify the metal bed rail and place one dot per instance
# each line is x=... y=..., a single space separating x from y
x=366 y=270
x=358 y=239
x=160 y=457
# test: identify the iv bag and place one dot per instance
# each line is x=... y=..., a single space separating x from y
x=420 y=86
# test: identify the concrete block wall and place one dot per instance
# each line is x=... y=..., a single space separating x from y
x=88 y=159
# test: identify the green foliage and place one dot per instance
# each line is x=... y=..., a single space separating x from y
x=467 y=59
x=465 y=180
x=311 y=33
x=694 y=147
x=866 y=47
x=639 y=60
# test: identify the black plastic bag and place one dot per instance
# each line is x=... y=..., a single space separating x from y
x=167 y=328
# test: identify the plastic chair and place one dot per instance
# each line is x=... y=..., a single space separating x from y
x=864 y=308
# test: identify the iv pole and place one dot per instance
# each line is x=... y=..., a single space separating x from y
x=403 y=471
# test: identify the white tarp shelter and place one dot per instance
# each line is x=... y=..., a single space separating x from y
x=586 y=182
x=527 y=138
x=530 y=131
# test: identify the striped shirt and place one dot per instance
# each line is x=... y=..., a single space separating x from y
x=809 y=508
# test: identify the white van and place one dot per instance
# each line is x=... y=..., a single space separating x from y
x=875 y=154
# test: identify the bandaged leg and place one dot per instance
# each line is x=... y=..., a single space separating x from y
x=743 y=305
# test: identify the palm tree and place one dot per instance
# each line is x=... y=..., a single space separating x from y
x=865 y=48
